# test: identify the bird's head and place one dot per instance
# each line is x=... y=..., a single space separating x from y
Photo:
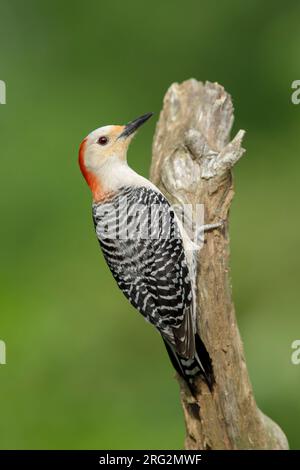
x=103 y=148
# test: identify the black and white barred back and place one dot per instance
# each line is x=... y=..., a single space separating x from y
x=142 y=245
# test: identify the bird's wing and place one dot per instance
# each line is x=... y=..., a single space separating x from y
x=151 y=270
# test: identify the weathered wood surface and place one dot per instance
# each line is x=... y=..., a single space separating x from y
x=192 y=162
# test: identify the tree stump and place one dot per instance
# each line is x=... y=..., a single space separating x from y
x=192 y=162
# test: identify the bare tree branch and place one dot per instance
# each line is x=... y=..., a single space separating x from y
x=192 y=161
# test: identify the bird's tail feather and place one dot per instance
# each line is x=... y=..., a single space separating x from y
x=188 y=369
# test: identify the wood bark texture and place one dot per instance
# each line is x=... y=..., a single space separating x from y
x=192 y=162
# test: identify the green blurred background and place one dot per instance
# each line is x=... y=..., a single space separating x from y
x=83 y=369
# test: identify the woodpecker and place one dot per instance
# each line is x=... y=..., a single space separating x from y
x=151 y=270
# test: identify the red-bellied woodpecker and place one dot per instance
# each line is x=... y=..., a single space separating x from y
x=143 y=244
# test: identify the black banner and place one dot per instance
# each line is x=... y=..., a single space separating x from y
x=136 y=459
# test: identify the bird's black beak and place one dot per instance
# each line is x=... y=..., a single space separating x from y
x=132 y=126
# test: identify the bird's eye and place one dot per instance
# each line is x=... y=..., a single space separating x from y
x=102 y=140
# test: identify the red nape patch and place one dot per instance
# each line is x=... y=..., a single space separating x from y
x=90 y=178
x=81 y=158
